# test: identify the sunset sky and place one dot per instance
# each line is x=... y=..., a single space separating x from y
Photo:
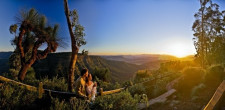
x=116 y=26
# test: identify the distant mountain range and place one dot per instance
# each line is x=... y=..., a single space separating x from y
x=122 y=67
x=140 y=59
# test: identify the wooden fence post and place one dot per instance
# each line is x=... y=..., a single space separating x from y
x=101 y=91
x=40 y=90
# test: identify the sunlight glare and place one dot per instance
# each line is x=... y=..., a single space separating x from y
x=179 y=50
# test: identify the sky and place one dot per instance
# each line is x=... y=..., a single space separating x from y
x=116 y=26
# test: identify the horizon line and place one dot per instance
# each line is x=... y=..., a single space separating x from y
x=118 y=54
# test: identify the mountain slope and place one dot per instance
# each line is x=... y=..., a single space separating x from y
x=58 y=63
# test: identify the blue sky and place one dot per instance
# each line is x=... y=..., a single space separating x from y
x=116 y=26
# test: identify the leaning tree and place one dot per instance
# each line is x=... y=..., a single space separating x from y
x=77 y=39
x=33 y=33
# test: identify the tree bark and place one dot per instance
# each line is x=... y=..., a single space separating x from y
x=33 y=58
x=23 y=71
x=203 y=39
x=75 y=49
x=19 y=44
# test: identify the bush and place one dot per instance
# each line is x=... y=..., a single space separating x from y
x=102 y=74
x=73 y=104
x=159 y=87
x=107 y=85
x=142 y=75
x=120 y=101
x=55 y=83
x=14 y=97
x=13 y=73
x=137 y=89
x=192 y=76
x=30 y=75
x=214 y=75
x=197 y=89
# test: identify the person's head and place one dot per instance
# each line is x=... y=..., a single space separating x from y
x=89 y=78
x=84 y=72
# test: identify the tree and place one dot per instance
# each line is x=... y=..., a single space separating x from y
x=206 y=27
x=84 y=52
x=77 y=39
x=33 y=33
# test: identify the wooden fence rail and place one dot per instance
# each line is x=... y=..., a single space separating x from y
x=216 y=97
x=40 y=89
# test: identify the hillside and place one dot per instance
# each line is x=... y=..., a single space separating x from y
x=58 y=63
x=4 y=58
x=122 y=67
x=140 y=59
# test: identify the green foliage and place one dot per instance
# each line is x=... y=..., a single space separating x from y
x=214 y=75
x=159 y=87
x=120 y=101
x=192 y=77
x=102 y=74
x=72 y=104
x=13 y=73
x=107 y=85
x=84 y=52
x=30 y=74
x=175 y=66
x=142 y=75
x=14 y=64
x=78 y=30
x=137 y=89
x=209 y=33
x=13 y=28
x=55 y=83
x=14 y=97
x=197 y=89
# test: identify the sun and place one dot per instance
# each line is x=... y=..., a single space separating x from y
x=178 y=49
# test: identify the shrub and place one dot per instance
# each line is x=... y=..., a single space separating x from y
x=137 y=89
x=159 y=87
x=55 y=83
x=102 y=74
x=214 y=75
x=13 y=73
x=107 y=85
x=142 y=75
x=14 y=97
x=30 y=74
x=197 y=89
x=192 y=76
x=72 y=104
x=120 y=101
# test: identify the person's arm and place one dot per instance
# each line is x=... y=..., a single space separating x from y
x=93 y=91
x=80 y=91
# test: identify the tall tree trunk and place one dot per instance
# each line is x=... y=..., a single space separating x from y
x=202 y=40
x=19 y=44
x=72 y=69
x=27 y=65
x=23 y=71
x=24 y=68
x=75 y=49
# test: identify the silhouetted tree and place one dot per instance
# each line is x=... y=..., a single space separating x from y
x=33 y=33
x=207 y=27
x=77 y=39
x=84 y=52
